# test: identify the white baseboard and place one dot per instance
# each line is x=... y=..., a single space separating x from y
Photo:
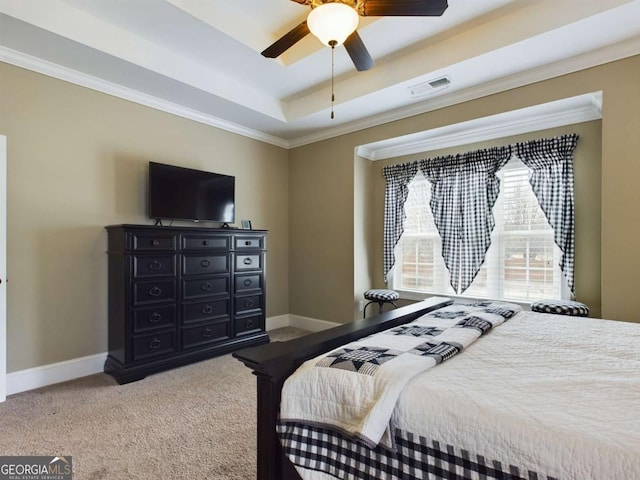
x=37 y=377
x=310 y=324
x=281 y=321
x=298 y=321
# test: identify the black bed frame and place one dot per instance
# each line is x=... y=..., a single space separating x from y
x=274 y=362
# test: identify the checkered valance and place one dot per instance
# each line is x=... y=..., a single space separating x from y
x=396 y=193
x=551 y=162
x=464 y=189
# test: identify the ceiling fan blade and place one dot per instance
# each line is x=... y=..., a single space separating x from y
x=287 y=41
x=358 y=52
x=402 y=8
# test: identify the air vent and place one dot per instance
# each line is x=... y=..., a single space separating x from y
x=429 y=88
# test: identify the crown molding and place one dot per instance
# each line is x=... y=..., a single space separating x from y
x=601 y=56
x=50 y=69
x=568 y=111
x=597 y=57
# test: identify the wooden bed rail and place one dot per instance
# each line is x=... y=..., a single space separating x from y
x=273 y=363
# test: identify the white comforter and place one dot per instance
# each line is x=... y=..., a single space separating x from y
x=354 y=389
x=559 y=395
x=553 y=394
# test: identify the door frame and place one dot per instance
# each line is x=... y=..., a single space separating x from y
x=3 y=268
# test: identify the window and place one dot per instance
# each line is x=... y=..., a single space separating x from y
x=521 y=263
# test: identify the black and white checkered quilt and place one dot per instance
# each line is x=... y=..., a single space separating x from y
x=352 y=391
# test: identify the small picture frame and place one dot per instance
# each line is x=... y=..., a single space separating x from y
x=245 y=224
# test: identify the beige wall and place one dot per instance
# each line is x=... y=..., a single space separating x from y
x=323 y=177
x=587 y=174
x=364 y=250
x=321 y=227
x=77 y=161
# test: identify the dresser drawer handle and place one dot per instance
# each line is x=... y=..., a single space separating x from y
x=206 y=333
x=247 y=261
x=247 y=282
x=155 y=265
x=205 y=263
x=249 y=323
x=248 y=303
x=155 y=317
x=155 y=291
x=155 y=242
x=206 y=286
x=247 y=242
x=154 y=344
x=205 y=242
x=207 y=309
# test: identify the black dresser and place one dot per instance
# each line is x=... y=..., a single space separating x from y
x=182 y=294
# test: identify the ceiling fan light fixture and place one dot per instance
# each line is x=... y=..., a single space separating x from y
x=332 y=23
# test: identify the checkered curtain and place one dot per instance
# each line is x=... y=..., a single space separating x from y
x=464 y=189
x=551 y=162
x=397 y=190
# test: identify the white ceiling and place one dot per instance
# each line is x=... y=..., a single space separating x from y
x=201 y=58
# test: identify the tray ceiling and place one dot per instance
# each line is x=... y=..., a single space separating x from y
x=201 y=58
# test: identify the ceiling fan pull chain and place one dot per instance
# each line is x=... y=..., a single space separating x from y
x=333 y=97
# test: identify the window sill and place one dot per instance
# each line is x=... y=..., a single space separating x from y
x=418 y=296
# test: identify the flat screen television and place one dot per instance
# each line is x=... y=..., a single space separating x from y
x=178 y=193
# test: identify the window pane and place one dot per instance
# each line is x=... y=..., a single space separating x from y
x=519 y=204
x=479 y=287
x=529 y=267
x=418 y=213
x=417 y=263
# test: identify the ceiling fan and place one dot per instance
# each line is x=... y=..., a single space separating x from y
x=335 y=21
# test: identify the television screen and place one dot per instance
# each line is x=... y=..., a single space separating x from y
x=177 y=193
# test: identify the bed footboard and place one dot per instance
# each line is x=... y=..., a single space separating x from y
x=273 y=363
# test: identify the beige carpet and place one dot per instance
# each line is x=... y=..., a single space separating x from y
x=194 y=422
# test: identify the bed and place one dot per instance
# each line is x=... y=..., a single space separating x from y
x=537 y=396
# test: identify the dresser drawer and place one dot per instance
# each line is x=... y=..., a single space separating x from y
x=150 y=241
x=205 y=287
x=248 y=262
x=198 y=336
x=205 y=264
x=249 y=324
x=154 y=291
x=206 y=242
x=202 y=311
x=156 y=265
x=248 y=283
x=248 y=241
x=250 y=304
x=152 y=345
x=154 y=317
